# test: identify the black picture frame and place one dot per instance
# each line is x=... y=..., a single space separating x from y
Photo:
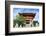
x=7 y=3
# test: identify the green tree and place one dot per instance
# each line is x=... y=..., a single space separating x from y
x=19 y=20
x=34 y=23
x=14 y=23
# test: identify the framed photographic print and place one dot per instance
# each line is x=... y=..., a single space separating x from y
x=24 y=17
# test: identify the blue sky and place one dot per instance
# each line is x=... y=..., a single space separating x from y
x=26 y=10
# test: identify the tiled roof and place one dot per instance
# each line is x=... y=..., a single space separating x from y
x=28 y=14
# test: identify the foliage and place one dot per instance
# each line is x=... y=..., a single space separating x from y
x=19 y=20
x=34 y=23
x=14 y=23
